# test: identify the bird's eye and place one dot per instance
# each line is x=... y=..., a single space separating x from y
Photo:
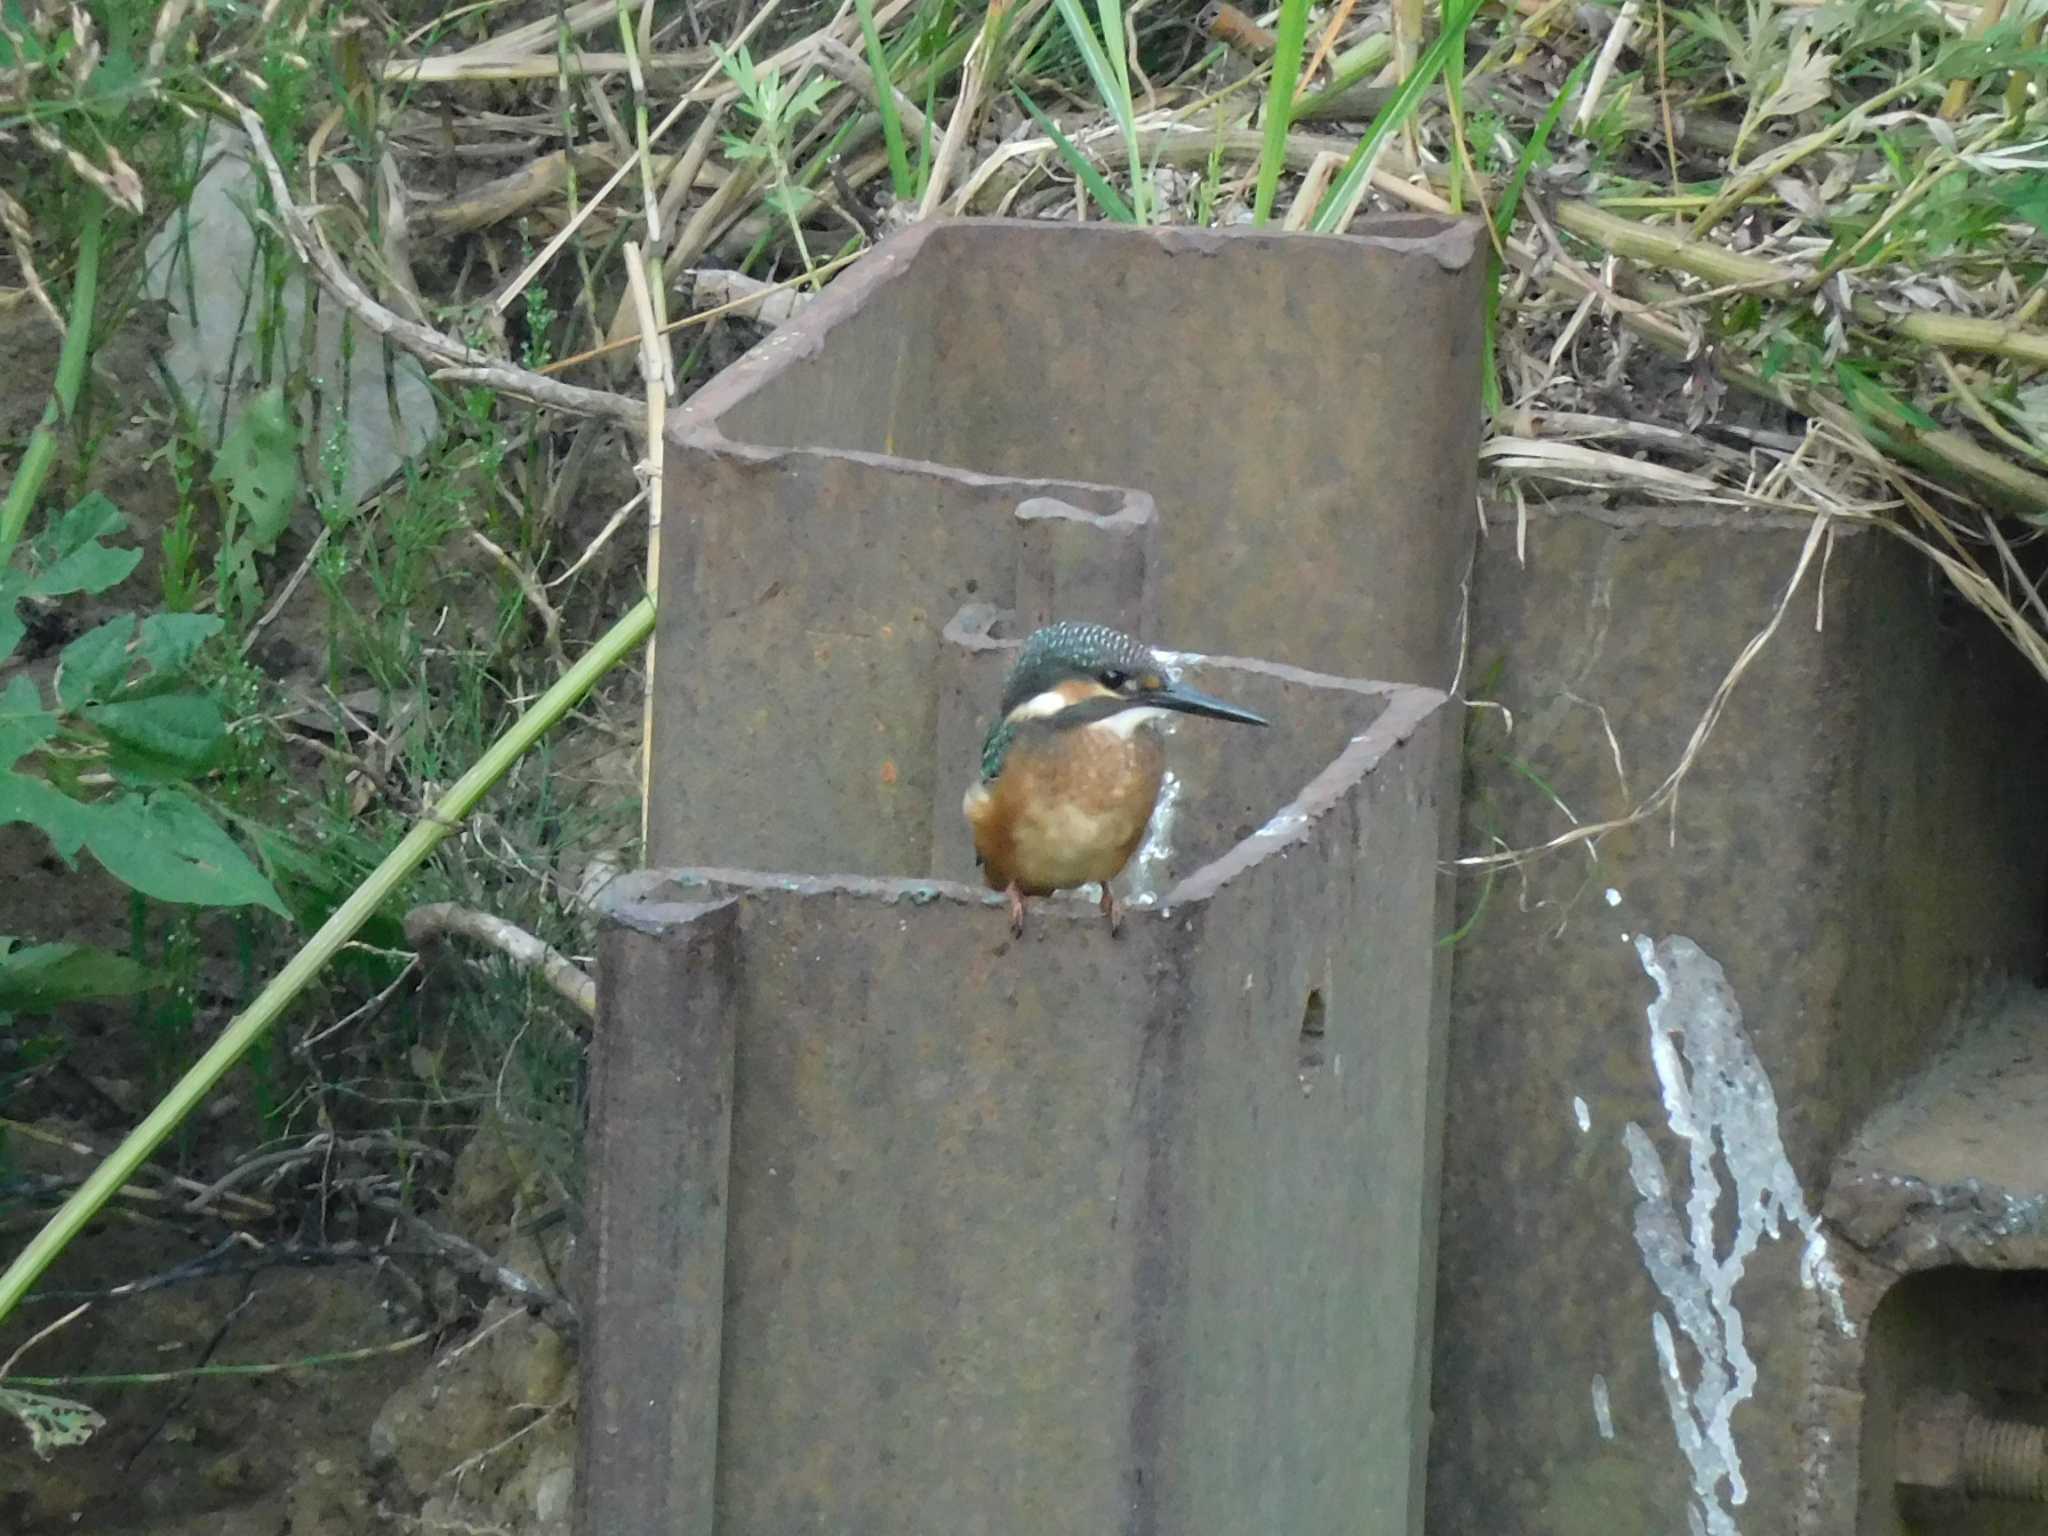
x=1114 y=680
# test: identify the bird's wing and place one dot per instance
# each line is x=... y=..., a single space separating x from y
x=995 y=747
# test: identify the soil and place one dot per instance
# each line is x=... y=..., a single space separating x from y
x=461 y=1418
x=465 y=1424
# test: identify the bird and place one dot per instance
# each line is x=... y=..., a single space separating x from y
x=1071 y=768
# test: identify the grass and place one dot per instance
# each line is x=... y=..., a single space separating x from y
x=1832 y=218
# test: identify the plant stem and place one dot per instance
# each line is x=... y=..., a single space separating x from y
x=1280 y=105
x=42 y=443
x=445 y=817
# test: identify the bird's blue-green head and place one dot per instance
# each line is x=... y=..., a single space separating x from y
x=1073 y=674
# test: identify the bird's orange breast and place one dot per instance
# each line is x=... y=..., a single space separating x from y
x=1069 y=808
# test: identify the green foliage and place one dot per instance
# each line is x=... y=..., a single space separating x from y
x=1343 y=194
x=1107 y=198
x=1280 y=105
x=36 y=978
x=1107 y=59
x=53 y=1423
x=122 y=713
x=777 y=108
x=257 y=472
x=907 y=185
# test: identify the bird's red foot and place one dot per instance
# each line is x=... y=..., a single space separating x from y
x=1112 y=909
x=1016 y=912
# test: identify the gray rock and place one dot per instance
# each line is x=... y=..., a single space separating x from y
x=206 y=264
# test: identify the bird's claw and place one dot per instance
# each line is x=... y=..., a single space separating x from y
x=1112 y=909
x=1016 y=912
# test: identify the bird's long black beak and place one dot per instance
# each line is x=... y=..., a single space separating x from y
x=1192 y=701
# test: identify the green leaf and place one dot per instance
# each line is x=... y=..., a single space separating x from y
x=1537 y=151
x=1871 y=400
x=1999 y=48
x=64 y=821
x=93 y=665
x=91 y=568
x=182 y=730
x=900 y=178
x=43 y=976
x=11 y=627
x=811 y=97
x=1395 y=111
x=259 y=466
x=1112 y=85
x=2025 y=196
x=170 y=640
x=92 y=517
x=70 y=556
x=166 y=846
x=1280 y=105
x=1105 y=195
x=51 y=1422
x=24 y=723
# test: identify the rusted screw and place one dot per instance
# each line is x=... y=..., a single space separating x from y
x=2005 y=1460
x=1948 y=1451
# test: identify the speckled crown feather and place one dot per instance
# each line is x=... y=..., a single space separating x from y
x=1069 y=648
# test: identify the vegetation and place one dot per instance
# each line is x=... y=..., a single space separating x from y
x=241 y=690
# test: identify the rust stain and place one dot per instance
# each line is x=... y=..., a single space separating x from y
x=888 y=770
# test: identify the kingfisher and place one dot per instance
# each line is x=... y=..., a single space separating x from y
x=1071 y=769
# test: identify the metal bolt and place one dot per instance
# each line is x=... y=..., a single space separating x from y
x=1947 y=1451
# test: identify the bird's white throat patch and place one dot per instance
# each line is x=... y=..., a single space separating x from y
x=1041 y=706
x=1125 y=721
x=1052 y=702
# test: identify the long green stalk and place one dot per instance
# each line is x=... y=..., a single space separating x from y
x=446 y=816
x=1335 y=208
x=900 y=177
x=1109 y=70
x=42 y=443
x=1280 y=105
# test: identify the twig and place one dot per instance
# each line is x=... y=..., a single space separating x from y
x=429 y=345
x=849 y=68
x=1603 y=67
x=612 y=525
x=505 y=295
x=1666 y=793
x=425 y=924
x=368 y=1009
x=323 y=1144
x=530 y=589
x=655 y=375
x=966 y=107
x=469 y=1464
x=41 y=1334
x=268 y=1368
x=553 y=1309
x=731 y=306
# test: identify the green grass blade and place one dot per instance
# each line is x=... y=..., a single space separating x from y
x=1532 y=155
x=1280 y=105
x=1105 y=195
x=1393 y=114
x=71 y=359
x=1112 y=83
x=448 y=815
x=1533 y=151
x=1112 y=14
x=1090 y=46
x=1362 y=62
x=900 y=177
